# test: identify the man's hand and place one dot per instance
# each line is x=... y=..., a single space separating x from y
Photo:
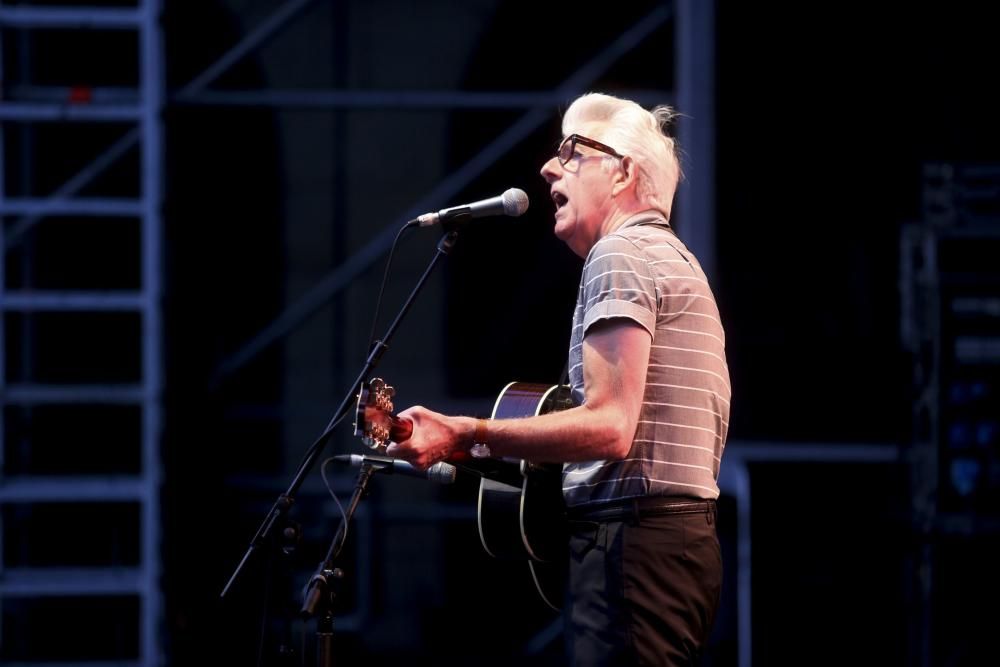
x=435 y=437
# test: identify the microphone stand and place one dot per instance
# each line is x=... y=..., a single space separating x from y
x=285 y=500
x=321 y=591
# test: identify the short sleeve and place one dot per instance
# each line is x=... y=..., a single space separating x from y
x=617 y=282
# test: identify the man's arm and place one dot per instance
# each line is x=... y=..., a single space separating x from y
x=615 y=357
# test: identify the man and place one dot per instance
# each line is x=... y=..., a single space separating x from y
x=647 y=367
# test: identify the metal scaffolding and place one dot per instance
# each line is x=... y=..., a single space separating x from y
x=25 y=106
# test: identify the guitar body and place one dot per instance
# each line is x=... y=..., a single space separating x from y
x=522 y=517
x=521 y=513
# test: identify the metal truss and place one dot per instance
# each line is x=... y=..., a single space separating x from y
x=695 y=96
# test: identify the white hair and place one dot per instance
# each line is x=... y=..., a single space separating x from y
x=637 y=133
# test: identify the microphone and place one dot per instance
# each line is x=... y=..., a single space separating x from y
x=442 y=473
x=513 y=203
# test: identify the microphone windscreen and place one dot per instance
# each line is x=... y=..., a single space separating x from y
x=442 y=473
x=515 y=202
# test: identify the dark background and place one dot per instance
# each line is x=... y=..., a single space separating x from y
x=827 y=118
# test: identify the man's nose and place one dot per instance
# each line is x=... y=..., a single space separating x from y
x=550 y=170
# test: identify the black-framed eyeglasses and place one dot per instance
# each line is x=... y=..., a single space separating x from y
x=568 y=147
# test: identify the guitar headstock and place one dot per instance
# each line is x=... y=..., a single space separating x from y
x=373 y=418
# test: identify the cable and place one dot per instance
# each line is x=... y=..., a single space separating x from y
x=343 y=514
x=385 y=276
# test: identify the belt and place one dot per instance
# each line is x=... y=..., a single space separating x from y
x=635 y=508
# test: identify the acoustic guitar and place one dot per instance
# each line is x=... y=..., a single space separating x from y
x=520 y=509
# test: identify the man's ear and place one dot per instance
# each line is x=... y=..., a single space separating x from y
x=624 y=177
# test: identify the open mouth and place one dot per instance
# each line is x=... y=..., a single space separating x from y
x=560 y=199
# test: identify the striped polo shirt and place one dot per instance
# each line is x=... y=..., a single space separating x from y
x=642 y=272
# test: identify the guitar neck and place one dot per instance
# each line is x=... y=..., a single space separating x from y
x=400 y=429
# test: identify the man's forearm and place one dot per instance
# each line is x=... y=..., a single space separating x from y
x=576 y=434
